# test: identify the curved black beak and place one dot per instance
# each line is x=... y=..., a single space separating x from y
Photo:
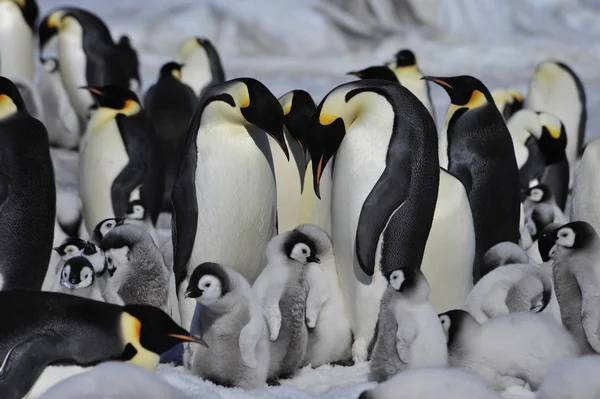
x=184 y=336
x=313 y=259
x=193 y=292
x=439 y=81
x=89 y=248
x=323 y=143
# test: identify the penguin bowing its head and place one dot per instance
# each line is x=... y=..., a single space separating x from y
x=10 y=99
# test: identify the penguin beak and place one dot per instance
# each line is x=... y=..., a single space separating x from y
x=357 y=74
x=440 y=81
x=120 y=221
x=313 y=259
x=193 y=292
x=323 y=142
x=189 y=338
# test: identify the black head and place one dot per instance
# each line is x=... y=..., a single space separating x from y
x=70 y=246
x=300 y=247
x=576 y=235
x=157 y=331
x=90 y=249
x=553 y=138
x=298 y=109
x=404 y=280
x=207 y=269
x=454 y=323
x=113 y=96
x=30 y=11
x=539 y=193
x=10 y=98
x=171 y=69
x=136 y=210
x=405 y=58
x=546 y=240
x=463 y=90
x=77 y=272
x=376 y=72
x=263 y=110
x=105 y=226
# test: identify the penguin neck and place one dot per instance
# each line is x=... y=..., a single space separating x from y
x=130 y=334
x=410 y=73
x=103 y=115
x=222 y=115
x=373 y=113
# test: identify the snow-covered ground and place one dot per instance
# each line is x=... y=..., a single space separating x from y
x=311 y=44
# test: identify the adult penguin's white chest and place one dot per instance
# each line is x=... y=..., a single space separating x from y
x=236 y=198
x=196 y=71
x=16 y=42
x=73 y=64
x=102 y=157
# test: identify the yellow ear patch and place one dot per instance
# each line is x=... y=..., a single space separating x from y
x=477 y=100
x=176 y=73
x=130 y=334
x=7 y=106
x=131 y=107
x=555 y=133
x=21 y=3
x=327 y=119
x=54 y=21
x=517 y=95
x=245 y=103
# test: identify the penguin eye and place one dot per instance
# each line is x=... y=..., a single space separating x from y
x=304 y=251
x=110 y=225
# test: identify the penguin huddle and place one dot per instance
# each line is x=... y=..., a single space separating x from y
x=303 y=232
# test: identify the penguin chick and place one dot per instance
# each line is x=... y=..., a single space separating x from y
x=514 y=349
x=77 y=278
x=508 y=101
x=576 y=273
x=282 y=291
x=69 y=248
x=140 y=275
x=432 y=383
x=229 y=319
x=572 y=378
x=104 y=227
x=409 y=334
x=103 y=271
x=540 y=197
x=331 y=338
x=509 y=289
x=503 y=253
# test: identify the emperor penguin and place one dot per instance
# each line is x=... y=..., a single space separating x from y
x=585 y=203
x=64 y=127
x=388 y=196
x=230 y=321
x=130 y=63
x=410 y=334
x=556 y=89
x=69 y=247
x=508 y=100
x=539 y=140
x=514 y=349
x=298 y=107
x=139 y=274
x=201 y=64
x=77 y=277
x=225 y=189
x=539 y=197
x=576 y=271
x=17 y=38
x=104 y=227
x=504 y=253
x=476 y=147
x=170 y=104
x=572 y=378
x=27 y=194
x=433 y=383
x=376 y=72
x=118 y=158
x=330 y=339
x=87 y=54
x=49 y=328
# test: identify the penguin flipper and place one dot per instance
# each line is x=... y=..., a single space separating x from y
x=462 y=173
x=130 y=177
x=386 y=197
x=317 y=294
x=250 y=335
x=405 y=335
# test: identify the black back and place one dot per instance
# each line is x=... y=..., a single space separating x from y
x=170 y=105
x=582 y=101
x=129 y=59
x=216 y=68
x=27 y=202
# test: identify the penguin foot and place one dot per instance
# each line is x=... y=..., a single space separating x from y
x=344 y=363
x=273 y=383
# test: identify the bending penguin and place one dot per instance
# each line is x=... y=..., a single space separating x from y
x=585 y=204
x=201 y=64
x=375 y=198
x=476 y=147
x=27 y=194
x=508 y=100
x=118 y=159
x=17 y=38
x=225 y=189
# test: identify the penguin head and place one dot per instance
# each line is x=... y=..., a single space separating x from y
x=546 y=240
x=110 y=101
x=455 y=324
x=403 y=59
x=117 y=245
x=552 y=138
x=538 y=194
x=508 y=101
x=300 y=247
x=541 y=216
x=50 y=64
x=105 y=226
x=575 y=235
x=70 y=247
x=298 y=109
x=376 y=72
x=208 y=283
x=50 y=26
x=30 y=11
x=322 y=240
x=193 y=44
x=409 y=282
x=77 y=273
x=136 y=210
x=464 y=91
x=96 y=257
x=171 y=69
x=152 y=329
x=11 y=101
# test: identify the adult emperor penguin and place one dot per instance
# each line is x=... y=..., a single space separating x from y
x=170 y=104
x=118 y=158
x=298 y=107
x=201 y=64
x=63 y=124
x=555 y=88
x=27 y=194
x=225 y=189
x=477 y=148
x=585 y=204
x=87 y=53
x=49 y=328
x=508 y=101
x=17 y=38
x=389 y=195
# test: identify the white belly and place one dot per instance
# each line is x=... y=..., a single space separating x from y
x=51 y=376
x=102 y=158
x=586 y=188
x=312 y=209
x=73 y=63
x=287 y=178
x=429 y=347
x=196 y=71
x=450 y=249
x=16 y=43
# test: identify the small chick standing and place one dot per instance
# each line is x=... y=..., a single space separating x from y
x=229 y=319
x=409 y=332
x=282 y=290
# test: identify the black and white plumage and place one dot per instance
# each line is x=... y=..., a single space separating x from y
x=103 y=227
x=508 y=100
x=201 y=64
x=17 y=38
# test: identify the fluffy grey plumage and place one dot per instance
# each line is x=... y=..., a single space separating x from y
x=140 y=275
